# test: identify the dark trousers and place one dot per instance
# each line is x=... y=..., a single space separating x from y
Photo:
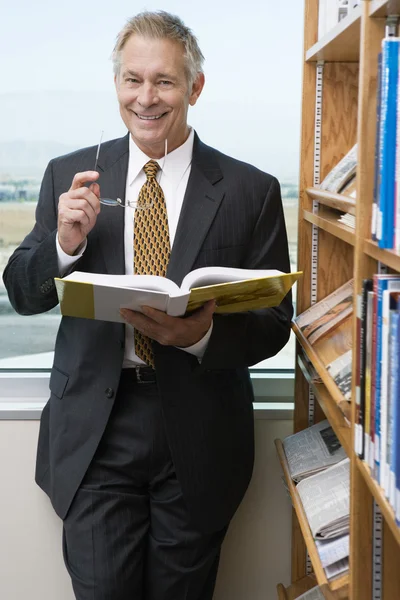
x=127 y=535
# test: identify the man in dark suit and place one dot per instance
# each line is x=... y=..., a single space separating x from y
x=146 y=466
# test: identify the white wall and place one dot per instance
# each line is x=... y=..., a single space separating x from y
x=256 y=552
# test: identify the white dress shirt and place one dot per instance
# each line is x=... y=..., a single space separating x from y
x=173 y=177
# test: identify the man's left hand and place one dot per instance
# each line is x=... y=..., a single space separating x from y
x=171 y=331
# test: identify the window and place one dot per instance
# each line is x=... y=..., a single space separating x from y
x=55 y=62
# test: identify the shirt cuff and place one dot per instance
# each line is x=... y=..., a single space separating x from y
x=65 y=261
x=199 y=347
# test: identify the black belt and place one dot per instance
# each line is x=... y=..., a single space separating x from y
x=140 y=374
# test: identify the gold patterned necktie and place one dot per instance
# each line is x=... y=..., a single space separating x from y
x=151 y=245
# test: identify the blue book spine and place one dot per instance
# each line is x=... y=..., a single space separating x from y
x=394 y=391
x=377 y=151
x=390 y=66
x=381 y=283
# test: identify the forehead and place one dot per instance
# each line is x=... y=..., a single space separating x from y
x=143 y=53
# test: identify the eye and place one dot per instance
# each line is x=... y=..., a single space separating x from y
x=165 y=82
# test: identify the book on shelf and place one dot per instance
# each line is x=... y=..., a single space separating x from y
x=385 y=223
x=312 y=450
x=348 y=219
x=326 y=501
x=327 y=314
x=342 y=174
x=340 y=370
x=98 y=296
x=361 y=367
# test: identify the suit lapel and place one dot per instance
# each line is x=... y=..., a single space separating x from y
x=113 y=167
x=200 y=205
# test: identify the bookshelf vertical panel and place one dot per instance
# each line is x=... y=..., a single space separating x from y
x=391 y=565
x=339 y=114
x=306 y=152
x=360 y=538
x=299 y=551
x=335 y=263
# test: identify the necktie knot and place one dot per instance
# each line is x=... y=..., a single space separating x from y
x=151 y=168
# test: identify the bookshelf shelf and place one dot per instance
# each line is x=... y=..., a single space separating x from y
x=296 y=589
x=341 y=44
x=319 y=360
x=329 y=223
x=387 y=257
x=337 y=201
x=378 y=8
x=336 y=589
x=380 y=498
x=338 y=415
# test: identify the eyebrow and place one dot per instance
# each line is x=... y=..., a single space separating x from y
x=158 y=75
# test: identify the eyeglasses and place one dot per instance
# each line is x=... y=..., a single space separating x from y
x=132 y=203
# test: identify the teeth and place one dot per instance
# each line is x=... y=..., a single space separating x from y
x=149 y=118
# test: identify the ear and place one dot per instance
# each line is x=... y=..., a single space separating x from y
x=197 y=88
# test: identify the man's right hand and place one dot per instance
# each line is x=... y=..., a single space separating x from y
x=77 y=211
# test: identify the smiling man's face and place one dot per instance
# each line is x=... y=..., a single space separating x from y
x=153 y=93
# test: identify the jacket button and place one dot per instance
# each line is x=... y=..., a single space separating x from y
x=109 y=392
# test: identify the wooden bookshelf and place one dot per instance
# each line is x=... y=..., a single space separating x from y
x=337 y=413
x=341 y=44
x=348 y=115
x=337 y=201
x=329 y=223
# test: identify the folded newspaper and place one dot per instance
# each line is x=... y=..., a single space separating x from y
x=326 y=501
x=342 y=173
x=334 y=555
x=312 y=450
x=313 y=594
x=341 y=372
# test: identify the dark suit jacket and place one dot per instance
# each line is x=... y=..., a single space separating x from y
x=231 y=216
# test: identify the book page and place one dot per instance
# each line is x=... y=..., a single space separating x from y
x=143 y=282
x=214 y=275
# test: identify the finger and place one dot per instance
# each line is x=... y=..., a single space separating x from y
x=74 y=216
x=79 y=205
x=205 y=313
x=84 y=194
x=142 y=323
x=95 y=188
x=81 y=178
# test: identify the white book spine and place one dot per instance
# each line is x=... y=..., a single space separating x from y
x=384 y=387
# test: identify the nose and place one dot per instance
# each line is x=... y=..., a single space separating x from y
x=147 y=95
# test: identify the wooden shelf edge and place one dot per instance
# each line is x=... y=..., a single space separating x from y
x=335 y=587
x=388 y=257
x=318 y=366
x=380 y=498
x=343 y=232
x=314 y=53
x=331 y=409
x=378 y=8
x=337 y=201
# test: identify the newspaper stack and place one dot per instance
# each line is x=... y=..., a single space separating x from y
x=313 y=594
x=312 y=450
x=326 y=501
x=334 y=555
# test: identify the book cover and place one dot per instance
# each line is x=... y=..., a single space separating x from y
x=368 y=375
x=374 y=218
x=388 y=125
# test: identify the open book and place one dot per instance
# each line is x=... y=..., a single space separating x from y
x=97 y=296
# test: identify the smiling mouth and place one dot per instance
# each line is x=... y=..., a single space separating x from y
x=150 y=117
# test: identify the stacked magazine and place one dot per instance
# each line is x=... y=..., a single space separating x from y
x=318 y=464
x=312 y=450
x=313 y=594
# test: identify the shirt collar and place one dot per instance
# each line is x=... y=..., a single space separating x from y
x=174 y=165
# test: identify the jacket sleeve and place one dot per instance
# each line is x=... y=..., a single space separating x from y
x=29 y=274
x=245 y=339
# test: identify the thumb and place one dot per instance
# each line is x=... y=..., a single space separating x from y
x=207 y=310
x=95 y=188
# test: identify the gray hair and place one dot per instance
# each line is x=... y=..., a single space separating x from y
x=161 y=25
